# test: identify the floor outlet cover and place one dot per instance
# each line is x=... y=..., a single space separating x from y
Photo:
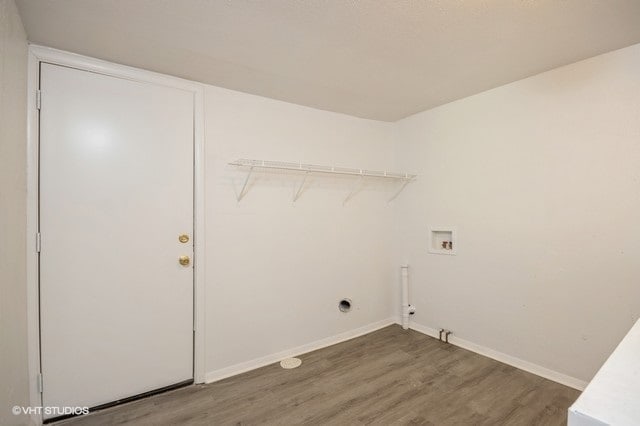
x=289 y=363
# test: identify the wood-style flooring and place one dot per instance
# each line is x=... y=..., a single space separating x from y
x=390 y=376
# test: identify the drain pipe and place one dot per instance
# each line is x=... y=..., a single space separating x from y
x=407 y=309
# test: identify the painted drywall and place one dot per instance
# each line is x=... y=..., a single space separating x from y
x=276 y=269
x=13 y=291
x=541 y=177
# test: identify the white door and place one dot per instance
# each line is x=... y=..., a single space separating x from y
x=116 y=192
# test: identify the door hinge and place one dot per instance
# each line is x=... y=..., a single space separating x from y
x=38 y=242
x=38 y=98
x=39 y=382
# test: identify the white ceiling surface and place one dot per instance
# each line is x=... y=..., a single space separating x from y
x=382 y=60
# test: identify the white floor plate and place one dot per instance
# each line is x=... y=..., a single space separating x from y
x=290 y=363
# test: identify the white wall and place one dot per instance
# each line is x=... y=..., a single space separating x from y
x=276 y=270
x=13 y=292
x=542 y=179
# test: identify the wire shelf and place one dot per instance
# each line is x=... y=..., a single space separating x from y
x=314 y=168
x=281 y=165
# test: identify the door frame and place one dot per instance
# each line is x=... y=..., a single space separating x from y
x=38 y=54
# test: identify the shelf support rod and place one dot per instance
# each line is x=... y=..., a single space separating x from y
x=404 y=183
x=300 y=188
x=355 y=188
x=243 y=192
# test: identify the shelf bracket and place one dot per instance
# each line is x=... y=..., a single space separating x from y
x=243 y=192
x=404 y=184
x=300 y=188
x=354 y=190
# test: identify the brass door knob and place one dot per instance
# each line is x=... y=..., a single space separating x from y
x=184 y=238
x=184 y=260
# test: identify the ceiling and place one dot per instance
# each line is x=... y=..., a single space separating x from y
x=375 y=59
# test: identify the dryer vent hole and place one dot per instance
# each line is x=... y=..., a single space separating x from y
x=345 y=305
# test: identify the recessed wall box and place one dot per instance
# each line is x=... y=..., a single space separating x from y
x=442 y=240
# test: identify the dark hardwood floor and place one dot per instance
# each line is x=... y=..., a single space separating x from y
x=390 y=376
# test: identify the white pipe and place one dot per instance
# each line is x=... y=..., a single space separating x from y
x=405 y=296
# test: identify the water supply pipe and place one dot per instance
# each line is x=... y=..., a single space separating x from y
x=407 y=309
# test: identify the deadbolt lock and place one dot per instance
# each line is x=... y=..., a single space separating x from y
x=184 y=260
x=184 y=238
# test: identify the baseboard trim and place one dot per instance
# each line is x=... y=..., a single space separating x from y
x=223 y=373
x=538 y=370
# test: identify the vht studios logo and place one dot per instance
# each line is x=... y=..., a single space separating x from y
x=50 y=411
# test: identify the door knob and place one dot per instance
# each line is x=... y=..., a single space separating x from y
x=184 y=260
x=184 y=238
